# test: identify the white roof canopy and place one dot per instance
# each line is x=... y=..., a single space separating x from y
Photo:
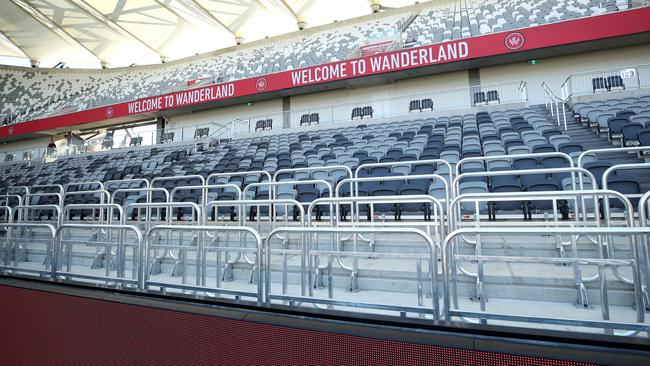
x=87 y=33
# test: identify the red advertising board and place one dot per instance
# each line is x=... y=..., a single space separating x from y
x=543 y=36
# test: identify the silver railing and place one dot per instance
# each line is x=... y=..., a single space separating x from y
x=595 y=152
x=554 y=103
x=644 y=213
x=208 y=251
x=311 y=255
x=602 y=81
x=19 y=241
x=120 y=245
x=450 y=257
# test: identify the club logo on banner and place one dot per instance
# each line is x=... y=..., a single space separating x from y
x=109 y=112
x=261 y=84
x=11 y=130
x=514 y=41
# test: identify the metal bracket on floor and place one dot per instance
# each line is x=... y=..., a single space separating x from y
x=646 y=297
x=112 y=262
x=177 y=271
x=20 y=254
x=156 y=266
x=584 y=298
x=318 y=279
x=98 y=261
x=371 y=246
x=562 y=253
x=479 y=292
x=228 y=273
x=354 y=281
x=253 y=278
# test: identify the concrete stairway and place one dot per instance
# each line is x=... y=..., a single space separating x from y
x=590 y=139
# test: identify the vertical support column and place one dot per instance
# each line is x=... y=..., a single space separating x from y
x=286 y=112
x=474 y=78
x=160 y=129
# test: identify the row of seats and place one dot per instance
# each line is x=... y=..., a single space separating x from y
x=308 y=119
x=421 y=105
x=627 y=120
x=360 y=112
x=264 y=124
x=609 y=83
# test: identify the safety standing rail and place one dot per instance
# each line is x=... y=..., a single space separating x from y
x=203 y=248
x=16 y=239
x=101 y=236
x=312 y=256
x=451 y=310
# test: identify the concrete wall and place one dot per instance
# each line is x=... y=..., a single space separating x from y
x=37 y=146
x=184 y=125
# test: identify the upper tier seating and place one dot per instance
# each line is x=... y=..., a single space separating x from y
x=30 y=94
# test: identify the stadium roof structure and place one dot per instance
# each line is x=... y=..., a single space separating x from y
x=116 y=33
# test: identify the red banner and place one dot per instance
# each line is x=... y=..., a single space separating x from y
x=556 y=34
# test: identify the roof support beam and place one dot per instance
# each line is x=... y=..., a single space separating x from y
x=284 y=3
x=211 y=16
x=90 y=10
x=15 y=45
x=50 y=25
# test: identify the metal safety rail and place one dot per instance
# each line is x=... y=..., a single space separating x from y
x=629 y=77
x=510 y=158
x=438 y=214
x=13 y=189
x=311 y=256
x=261 y=227
x=571 y=170
x=406 y=163
x=108 y=185
x=273 y=185
x=104 y=197
x=356 y=181
x=329 y=168
x=612 y=170
x=158 y=213
x=176 y=177
x=20 y=241
x=409 y=163
x=148 y=192
x=103 y=212
x=208 y=251
x=450 y=258
x=78 y=184
x=644 y=214
x=5 y=199
x=40 y=188
x=595 y=152
x=7 y=214
x=214 y=176
x=205 y=189
x=435 y=228
x=494 y=173
x=560 y=244
x=59 y=197
x=122 y=252
x=24 y=216
x=555 y=103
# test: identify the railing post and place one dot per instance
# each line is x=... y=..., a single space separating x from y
x=564 y=116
